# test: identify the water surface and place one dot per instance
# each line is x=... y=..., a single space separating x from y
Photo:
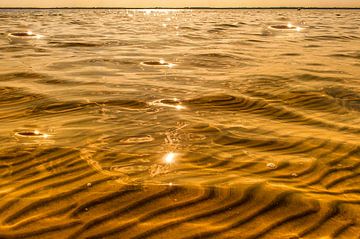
x=180 y=124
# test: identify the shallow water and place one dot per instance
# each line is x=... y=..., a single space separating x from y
x=180 y=124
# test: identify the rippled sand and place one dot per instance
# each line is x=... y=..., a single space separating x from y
x=179 y=124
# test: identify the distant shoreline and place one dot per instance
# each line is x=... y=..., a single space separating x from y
x=184 y=8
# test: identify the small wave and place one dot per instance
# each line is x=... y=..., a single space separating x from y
x=131 y=104
x=227 y=25
x=335 y=38
x=12 y=96
x=32 y=137
x=215 y=59
x=31 y=134
x=291 y=54
x=188 y=28
x=312 y=77
x=282 y=29
x=50 y=81
x=22 y=74
x=222 y=27
x=73 y=44
x=282 y=18
x=157 y=63
x=59 y=107
x=137 y=139
x=353 y=55
x=172 y=103
x=245 y=104
x=346 y=97
x=18 y=37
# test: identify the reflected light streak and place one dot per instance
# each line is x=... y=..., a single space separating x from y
x=37 y=132
x=163 y=11
x=161 y=104
x=180 y=107
x=171 y=65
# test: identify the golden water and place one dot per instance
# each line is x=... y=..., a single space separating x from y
x=180 y=124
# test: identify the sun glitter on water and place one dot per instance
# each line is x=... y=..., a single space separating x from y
x=170 y=158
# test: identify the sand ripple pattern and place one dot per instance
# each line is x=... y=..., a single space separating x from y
x=180 y=124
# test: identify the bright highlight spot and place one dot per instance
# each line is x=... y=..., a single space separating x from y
x=179 y=107
x=36 y=132
x=147 y=11
x=289 y=25
x=171 y=65
x=169 y=158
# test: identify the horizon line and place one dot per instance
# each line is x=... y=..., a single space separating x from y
x=186 y=8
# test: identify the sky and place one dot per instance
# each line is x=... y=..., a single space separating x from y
x=179 y=3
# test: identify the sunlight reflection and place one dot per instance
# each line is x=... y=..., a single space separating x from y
x=39 y=134
x=161 y=62
x=175 y=103
x=180 y=107
x=169 y=158
x=147 y=11
x=32 y=136
x=156 y=11
x=23 y=36
x=289 y=27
